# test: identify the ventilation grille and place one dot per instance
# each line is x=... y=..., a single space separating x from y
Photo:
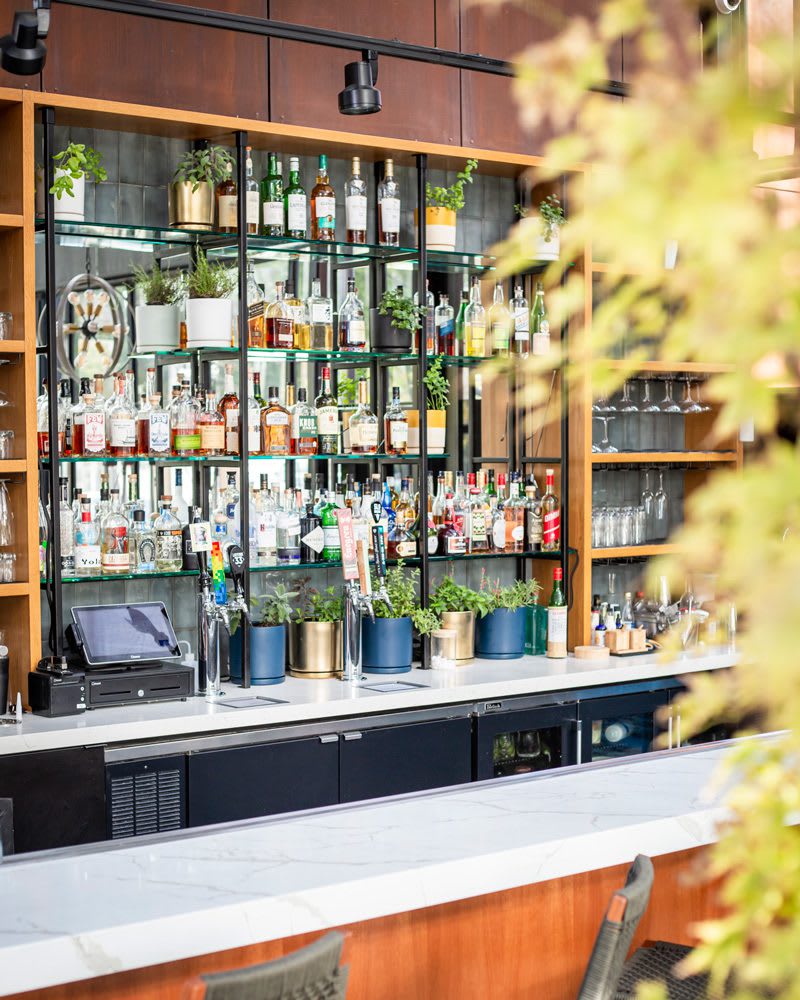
x=146 y=802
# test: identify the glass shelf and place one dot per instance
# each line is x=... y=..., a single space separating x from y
x=234 y=459
x=356 y=358
x=109 y=578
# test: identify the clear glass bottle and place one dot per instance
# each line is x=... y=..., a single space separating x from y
x=184 y=431
x=275 y=425
x=444 y=319
x=142 y=421
x=66 y=527
x=477 y=519
x=115 y=553
x=323 y=205
x=288 y=529
x=94 y=427
x=540 y=325
x=121 y=424
x=256 y=310
x=253 y=417
x=320 y=315
x=303 y=438
x=327 y=408
x=252 y=195
x=167 y=527
x=514 y=513
x=475 y=323
x=104 y=504
x=295 y=203
x=142 y=544
x=395 y=426
x=280 y=323
x=352 y=324
x=299 y=313
x=87 y=542
x=363 y=424
x=355 y=204
x=178 y=504
x=77 y=418
x=133 y=503
x=388 y=197
x=212 y=428
x=430 y=322
x=229 y=408
x=158 y=429
x=272 y=197
x=521 y=344
x=226 y=203
x=499 y=323
x=266 y=538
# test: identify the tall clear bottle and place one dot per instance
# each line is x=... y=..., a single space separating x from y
x=430 y=321
x=266 y=538
x=229 y=408
x=320 y=316
x=352 y=321
x=475 y=323
x=115 y=553
x=444 y=319
x=87 y=542
x=540 y=325
x=66 y=527
x=288 y=529
x=521 y=343
x=184 y=430
x=499 y=323
x=460 y=348
x=355 y=205
x=389 y=208
x=252 y=195
x=121 y=424
x=169 y=555
x=142 y=544
x=253 y=417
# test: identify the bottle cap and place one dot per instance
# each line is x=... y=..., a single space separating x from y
x=138 y=514
x=558 y=573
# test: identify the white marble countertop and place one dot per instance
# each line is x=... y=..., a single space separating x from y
x=76 y=914
x=314 y=700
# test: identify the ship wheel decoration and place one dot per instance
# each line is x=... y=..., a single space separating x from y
x=92 y=339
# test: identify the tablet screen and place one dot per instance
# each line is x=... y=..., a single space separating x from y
x=125 y=633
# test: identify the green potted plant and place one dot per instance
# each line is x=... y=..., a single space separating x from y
x=458 y=606
x=544 y=227
x=437 y=399
x=72 y=167
x=157 y=316
x=500 y=631
x=269 y=617
x=394 y=322
x=387 y=643
x=442 y=204
x=346 y=390
x=191 y=193
x=315 y=634
x=209 y=310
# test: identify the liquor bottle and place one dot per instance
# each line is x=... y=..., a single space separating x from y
x=142 y=544
x=352 y=325
x=388 y=208
x=497 y=525
x=272 y=197
x=275 y=425
x=432 y=528
x=299 y=313
x=256 y=309
x=534 y=525
x=355 y=205
x=212 y=428
x=395 y=426
x=266 y=537
x=363 y=424
x=142 y=422
x=498 y=321
x=94 y=427
x=230 y=505
x=226 y=203
x=551 y=516
x=451 y=541
x=252 y=196
x=439 y=501
x=491 y=489
x=121 y=424
x=303 y=438
x=157 y=429
x=43 y=422
x=320 y=315
x=557 y=619
x=521 y=344
x=184 y=433
x=254 y=408
x=219 y=513
x=66 y=527
x=477 y=519
x=104 y=504
x=460 y=339
x=229 y=408
x=133 y=503
x=514 y=512
x=87 y=542
x=280 y=325
x=167 y=527
x=294 y=203
x=115 y=554
x=430 y=323
x=402 y=541
x=327 y=416
x=475 y=323
x=540 y=326
x=64 y=417
x=332 y=549
x=77 y=417
x=178 y=504
x=311 y=536
x=444 y=319
x=323 y=205
x=288 y=528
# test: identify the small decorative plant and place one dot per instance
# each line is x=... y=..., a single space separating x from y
x=158 y=288
x=209 y=281
x=404 y=314
x=76 y=161
x=321 y=606
x=274 y=608
x=520 y=594
x=451 y=197
x=552 y=216
x=209 y=165
x=437 y=388
x=401 y=586
x=450 y=596
x=425 y=620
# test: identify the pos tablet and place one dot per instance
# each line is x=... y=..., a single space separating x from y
x=120 y=634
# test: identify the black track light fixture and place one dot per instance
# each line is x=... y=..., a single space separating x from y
x=360 y=96
x=23 y=52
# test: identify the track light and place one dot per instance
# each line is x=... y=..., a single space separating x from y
x=22 y=52
x=360 y=96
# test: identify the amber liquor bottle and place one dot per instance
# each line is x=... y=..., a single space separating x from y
x=323 y=205
x=275 y=425
x=229 y=408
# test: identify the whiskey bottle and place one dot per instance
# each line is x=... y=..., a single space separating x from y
x=229 y=408
x=355 y=204
x=444 y=320
x=475 y=323
x=389 y=208
x=363 y=424
x=272 y=197
x=226 y=203
x=295 y=203
x=303 y=439
x=323 y=205
x=540 y=326
x=299 y=314
x=551 y=516
x=352 y=324
x=320 y=315
x=252 y=195
x=275 y=428
x=499 y=323
x=327 y=408
x=521 y=344
x=256 y=308
x=212 y=428
x=395 y=426
x=280 y=326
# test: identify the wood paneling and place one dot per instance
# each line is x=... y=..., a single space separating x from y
x=123 y=58
x=7 y=9
x=529 y=942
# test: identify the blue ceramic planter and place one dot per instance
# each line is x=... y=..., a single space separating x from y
x=386 y=645
x=267 y=654
x=500 y=635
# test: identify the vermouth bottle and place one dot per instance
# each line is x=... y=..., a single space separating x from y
x=551 y=516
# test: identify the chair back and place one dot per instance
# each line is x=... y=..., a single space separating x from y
x=616 y=932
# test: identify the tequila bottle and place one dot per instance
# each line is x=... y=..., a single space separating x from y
x=169 y=555
x=266 y=538
x=121 y=424
x=115 y=555
x=87 y=542
x=142 y=544
x=94 y=427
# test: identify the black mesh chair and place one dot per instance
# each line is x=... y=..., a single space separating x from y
x=313 y=973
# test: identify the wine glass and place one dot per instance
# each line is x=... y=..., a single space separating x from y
x=647 y=500
x=668 y=404
x=660 y=511
x=702 y=407
x=626 y=404
x=647 y=405
x=6 y=516
x=603 y=405
x=688 y=404
x=605 y=445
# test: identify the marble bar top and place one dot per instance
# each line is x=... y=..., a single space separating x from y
x=315 y=700
x=80 y=913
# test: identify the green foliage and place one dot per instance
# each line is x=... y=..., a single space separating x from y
x=274 y=608
x=436 y=385
x=347 y=388
x=159 y=288
x=552 y=216
x=77 y=160
x=425 y=620
x=451 y=596
x=401 y=586
x=451 y=197
x=404 y=314
x=204 y=166
x=520 y=594
x=209 y=281
x=321 y=606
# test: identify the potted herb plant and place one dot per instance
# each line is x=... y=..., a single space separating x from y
x=157 y=317
x=437 y=399
x=442 y=204
x=315 y=636
x=394 y=322
x=544 y=228
x=72 y=166
x=387 y=643
x=209 y=311
x=500 y=631
x=457 y=606
x=270 y=615
x=191 y=193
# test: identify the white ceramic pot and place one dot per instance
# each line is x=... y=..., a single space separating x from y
x=157 y=328
x=547 y=249
x=436 y=431
x=69 y=208
x=440 y=228
x=208 y=322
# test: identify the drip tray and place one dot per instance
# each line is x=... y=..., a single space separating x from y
x=391 y=687
x=252 y=701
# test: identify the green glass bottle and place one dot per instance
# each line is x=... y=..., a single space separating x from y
x=295 y=203
x=272 y=198
x=332 y=548
x=459 y=348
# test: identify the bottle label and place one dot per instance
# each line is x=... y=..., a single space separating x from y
x=252 y=207
x=266 y=534
x=556 y=625
x=406 y=549
x=356 y=212
x=398 y=433
x=325 y=210
x=354 y=332
x=273 y=214
x=500 y=336
x=327 y=421
x=517 y=532
x=390 y=215
x=159 y=432
x=551 y=529
x=187 y=441
x=321 y=312
x=476 y=340
x=535 y=525
x=456 y=545
x=87 y=556
x=212 y=437
x=276 y=418
x=541 y=344
x=499 y=533
x=145 y=555
x=315 y=539
x=522 y=328
x=364 y=435
x=447 y=329
x=433 y=544
x=296 y=212
x=304 y=425
x=254 y=433
x=123 y=432
x=478 y=526
x=227 y=211
x=115 y=554
x=232 y=430
x=331 y=537
x=94 y=432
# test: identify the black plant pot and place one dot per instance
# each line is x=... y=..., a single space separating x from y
x=500 y=635
x=386 y=645
x=386 y=338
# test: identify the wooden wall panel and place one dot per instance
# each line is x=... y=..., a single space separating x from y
x=7 y=8
x=120 y=58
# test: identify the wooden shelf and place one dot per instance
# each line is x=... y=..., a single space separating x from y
x=656 y=457
x=13 y=465
x=640 y=551
x=666 y=367
x=10 y=221
x=12 y=346
x=14 y=589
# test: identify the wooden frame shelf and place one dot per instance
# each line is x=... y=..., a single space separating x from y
x=637 y=551
x=15 y=589
x=668 y=367
x=9 y=220
x=12 y=346
x=9 y=465
x=660 y=457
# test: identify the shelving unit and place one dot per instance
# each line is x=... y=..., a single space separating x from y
x=663 y=457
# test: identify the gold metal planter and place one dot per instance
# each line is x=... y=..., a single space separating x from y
x=315 y=649
x=189 y=209
x=464 y=624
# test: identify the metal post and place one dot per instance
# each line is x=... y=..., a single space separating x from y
x=244 y=471
x=565 y=435
x=424 y=582
x=53 y=567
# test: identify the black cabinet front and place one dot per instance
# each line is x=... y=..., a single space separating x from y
x=259 y=780
x=146 y=796
x=399 y=759
x=533 y=739
x=620 y=726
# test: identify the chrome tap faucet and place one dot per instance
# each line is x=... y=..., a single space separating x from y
x=355 y=604
x=212 y=617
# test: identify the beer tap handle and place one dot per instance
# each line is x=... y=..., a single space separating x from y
x=236 y=561
x=379 y=548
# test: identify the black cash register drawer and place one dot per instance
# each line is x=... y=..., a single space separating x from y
x=125 y=687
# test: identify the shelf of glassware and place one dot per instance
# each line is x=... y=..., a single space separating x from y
x=355 y=358
x=663 y=457
x=634 y=366
x=645 y=551
x=215 y=460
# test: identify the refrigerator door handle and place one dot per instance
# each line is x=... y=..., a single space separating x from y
x=678 y=727
x=669 y=729
x=579 y=741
